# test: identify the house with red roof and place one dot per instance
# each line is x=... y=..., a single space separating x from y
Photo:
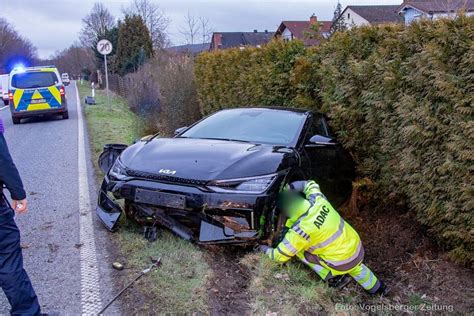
x=304 y=30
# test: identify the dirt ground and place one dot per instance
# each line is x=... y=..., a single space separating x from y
x=401 y=253
x=228 y=293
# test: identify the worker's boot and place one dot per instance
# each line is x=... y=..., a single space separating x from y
x=383 y=289
x=339 y=281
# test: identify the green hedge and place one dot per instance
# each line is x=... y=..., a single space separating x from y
x=399 y=98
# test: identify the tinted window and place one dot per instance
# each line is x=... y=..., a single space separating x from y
x=318 y=127
x=29 y=80
x=252 y=125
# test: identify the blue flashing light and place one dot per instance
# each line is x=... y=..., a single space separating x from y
x=19 y=68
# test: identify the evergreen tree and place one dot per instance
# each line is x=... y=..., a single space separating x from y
x=134 y=44
x=338 y=21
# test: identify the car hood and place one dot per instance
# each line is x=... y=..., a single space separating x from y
x=201 y=159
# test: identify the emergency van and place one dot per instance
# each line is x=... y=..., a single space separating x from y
x=4 y=88
x=36 y=91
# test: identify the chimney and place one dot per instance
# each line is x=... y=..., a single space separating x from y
x=217 y=39
x=255 y=31
x=313 y=19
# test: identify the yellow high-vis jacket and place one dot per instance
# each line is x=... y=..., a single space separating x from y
x=319 y=233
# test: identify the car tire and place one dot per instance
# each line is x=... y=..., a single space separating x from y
x=66 y=115
x=16 y=120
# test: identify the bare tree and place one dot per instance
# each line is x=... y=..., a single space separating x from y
x=75 y=60
x=191 y=28
x=13 y=45
x=206 y=30
x=155 y=19
x=96 y=24
x=452 y=7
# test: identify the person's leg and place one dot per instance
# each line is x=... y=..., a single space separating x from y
x=13 y=278
x=366 y=278
x=323 y=272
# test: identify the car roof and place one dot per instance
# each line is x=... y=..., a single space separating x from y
x=271 y=108
x=34 y=69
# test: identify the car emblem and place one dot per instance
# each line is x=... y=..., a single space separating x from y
x=167 y=172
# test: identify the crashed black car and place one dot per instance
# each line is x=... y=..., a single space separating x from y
x=217 y=180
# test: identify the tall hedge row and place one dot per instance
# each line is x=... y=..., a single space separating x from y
x=400 y=99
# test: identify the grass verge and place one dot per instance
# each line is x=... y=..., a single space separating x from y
x=291 y=289
x=179 y=284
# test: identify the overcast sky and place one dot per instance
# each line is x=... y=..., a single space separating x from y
x=54 y=24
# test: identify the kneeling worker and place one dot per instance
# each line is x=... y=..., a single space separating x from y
x=320 y=237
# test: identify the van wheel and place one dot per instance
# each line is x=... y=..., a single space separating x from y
x=66 y=115
x=16 y=120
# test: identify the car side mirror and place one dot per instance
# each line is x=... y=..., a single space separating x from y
x=109 y=155
x=320 y=141
x=180 y=130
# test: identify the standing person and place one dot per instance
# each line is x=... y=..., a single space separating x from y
x=13 y=278
x=322 y=239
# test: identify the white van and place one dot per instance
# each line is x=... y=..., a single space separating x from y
x=65 y=79
x=4 y=79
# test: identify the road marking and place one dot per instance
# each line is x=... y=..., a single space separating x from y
x=90 y=287
x=3 y=107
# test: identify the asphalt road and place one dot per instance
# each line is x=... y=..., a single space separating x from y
x=66 y=251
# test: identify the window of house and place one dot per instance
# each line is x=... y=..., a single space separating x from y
x=348 y=15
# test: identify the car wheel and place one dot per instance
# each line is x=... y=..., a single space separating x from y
x=16 y=120
x=66 y=115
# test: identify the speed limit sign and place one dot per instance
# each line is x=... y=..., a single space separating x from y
x=104 y=47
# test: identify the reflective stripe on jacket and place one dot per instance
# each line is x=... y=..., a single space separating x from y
x=322 y=234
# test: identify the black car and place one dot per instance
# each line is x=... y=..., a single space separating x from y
x=217 y=181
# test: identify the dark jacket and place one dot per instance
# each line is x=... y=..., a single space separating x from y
x=9 y=175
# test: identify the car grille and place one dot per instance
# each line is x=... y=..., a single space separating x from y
x=164 y=178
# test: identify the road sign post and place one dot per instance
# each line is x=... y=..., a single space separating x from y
x=105 y=47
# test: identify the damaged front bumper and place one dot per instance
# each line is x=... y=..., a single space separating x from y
x=191 y=212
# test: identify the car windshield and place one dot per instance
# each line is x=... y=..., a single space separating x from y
x=264 y=126
x=29 y=80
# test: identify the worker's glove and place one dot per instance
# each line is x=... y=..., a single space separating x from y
x=264 y=249
x=310 y=187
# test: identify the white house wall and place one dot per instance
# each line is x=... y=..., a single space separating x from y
x=286 y=35
x=353 y=19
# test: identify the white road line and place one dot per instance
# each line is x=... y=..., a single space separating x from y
x=90 y=287
x=4 y=107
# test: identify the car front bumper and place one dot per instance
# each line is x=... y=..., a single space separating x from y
x=220 y=217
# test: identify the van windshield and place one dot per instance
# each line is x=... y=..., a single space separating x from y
x=30 y=80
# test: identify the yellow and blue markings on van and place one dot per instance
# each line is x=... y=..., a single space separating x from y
x=37 y=99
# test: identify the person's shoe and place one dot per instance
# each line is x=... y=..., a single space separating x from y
x=339 y=281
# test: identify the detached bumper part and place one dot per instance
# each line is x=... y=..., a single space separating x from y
x=210 y=232
x=107 y=210
x=220 y=234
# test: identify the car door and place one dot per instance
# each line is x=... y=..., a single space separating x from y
x=328 y=162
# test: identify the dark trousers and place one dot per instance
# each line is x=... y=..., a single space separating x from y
x=13 y=278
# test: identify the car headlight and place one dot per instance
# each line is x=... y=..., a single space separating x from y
x=253 y=185
x=118 y=170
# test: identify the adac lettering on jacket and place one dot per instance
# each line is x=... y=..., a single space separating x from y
x=321 y=217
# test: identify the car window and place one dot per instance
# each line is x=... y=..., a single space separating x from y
x=264 y=126
x=318 y=127
x=30 y=80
